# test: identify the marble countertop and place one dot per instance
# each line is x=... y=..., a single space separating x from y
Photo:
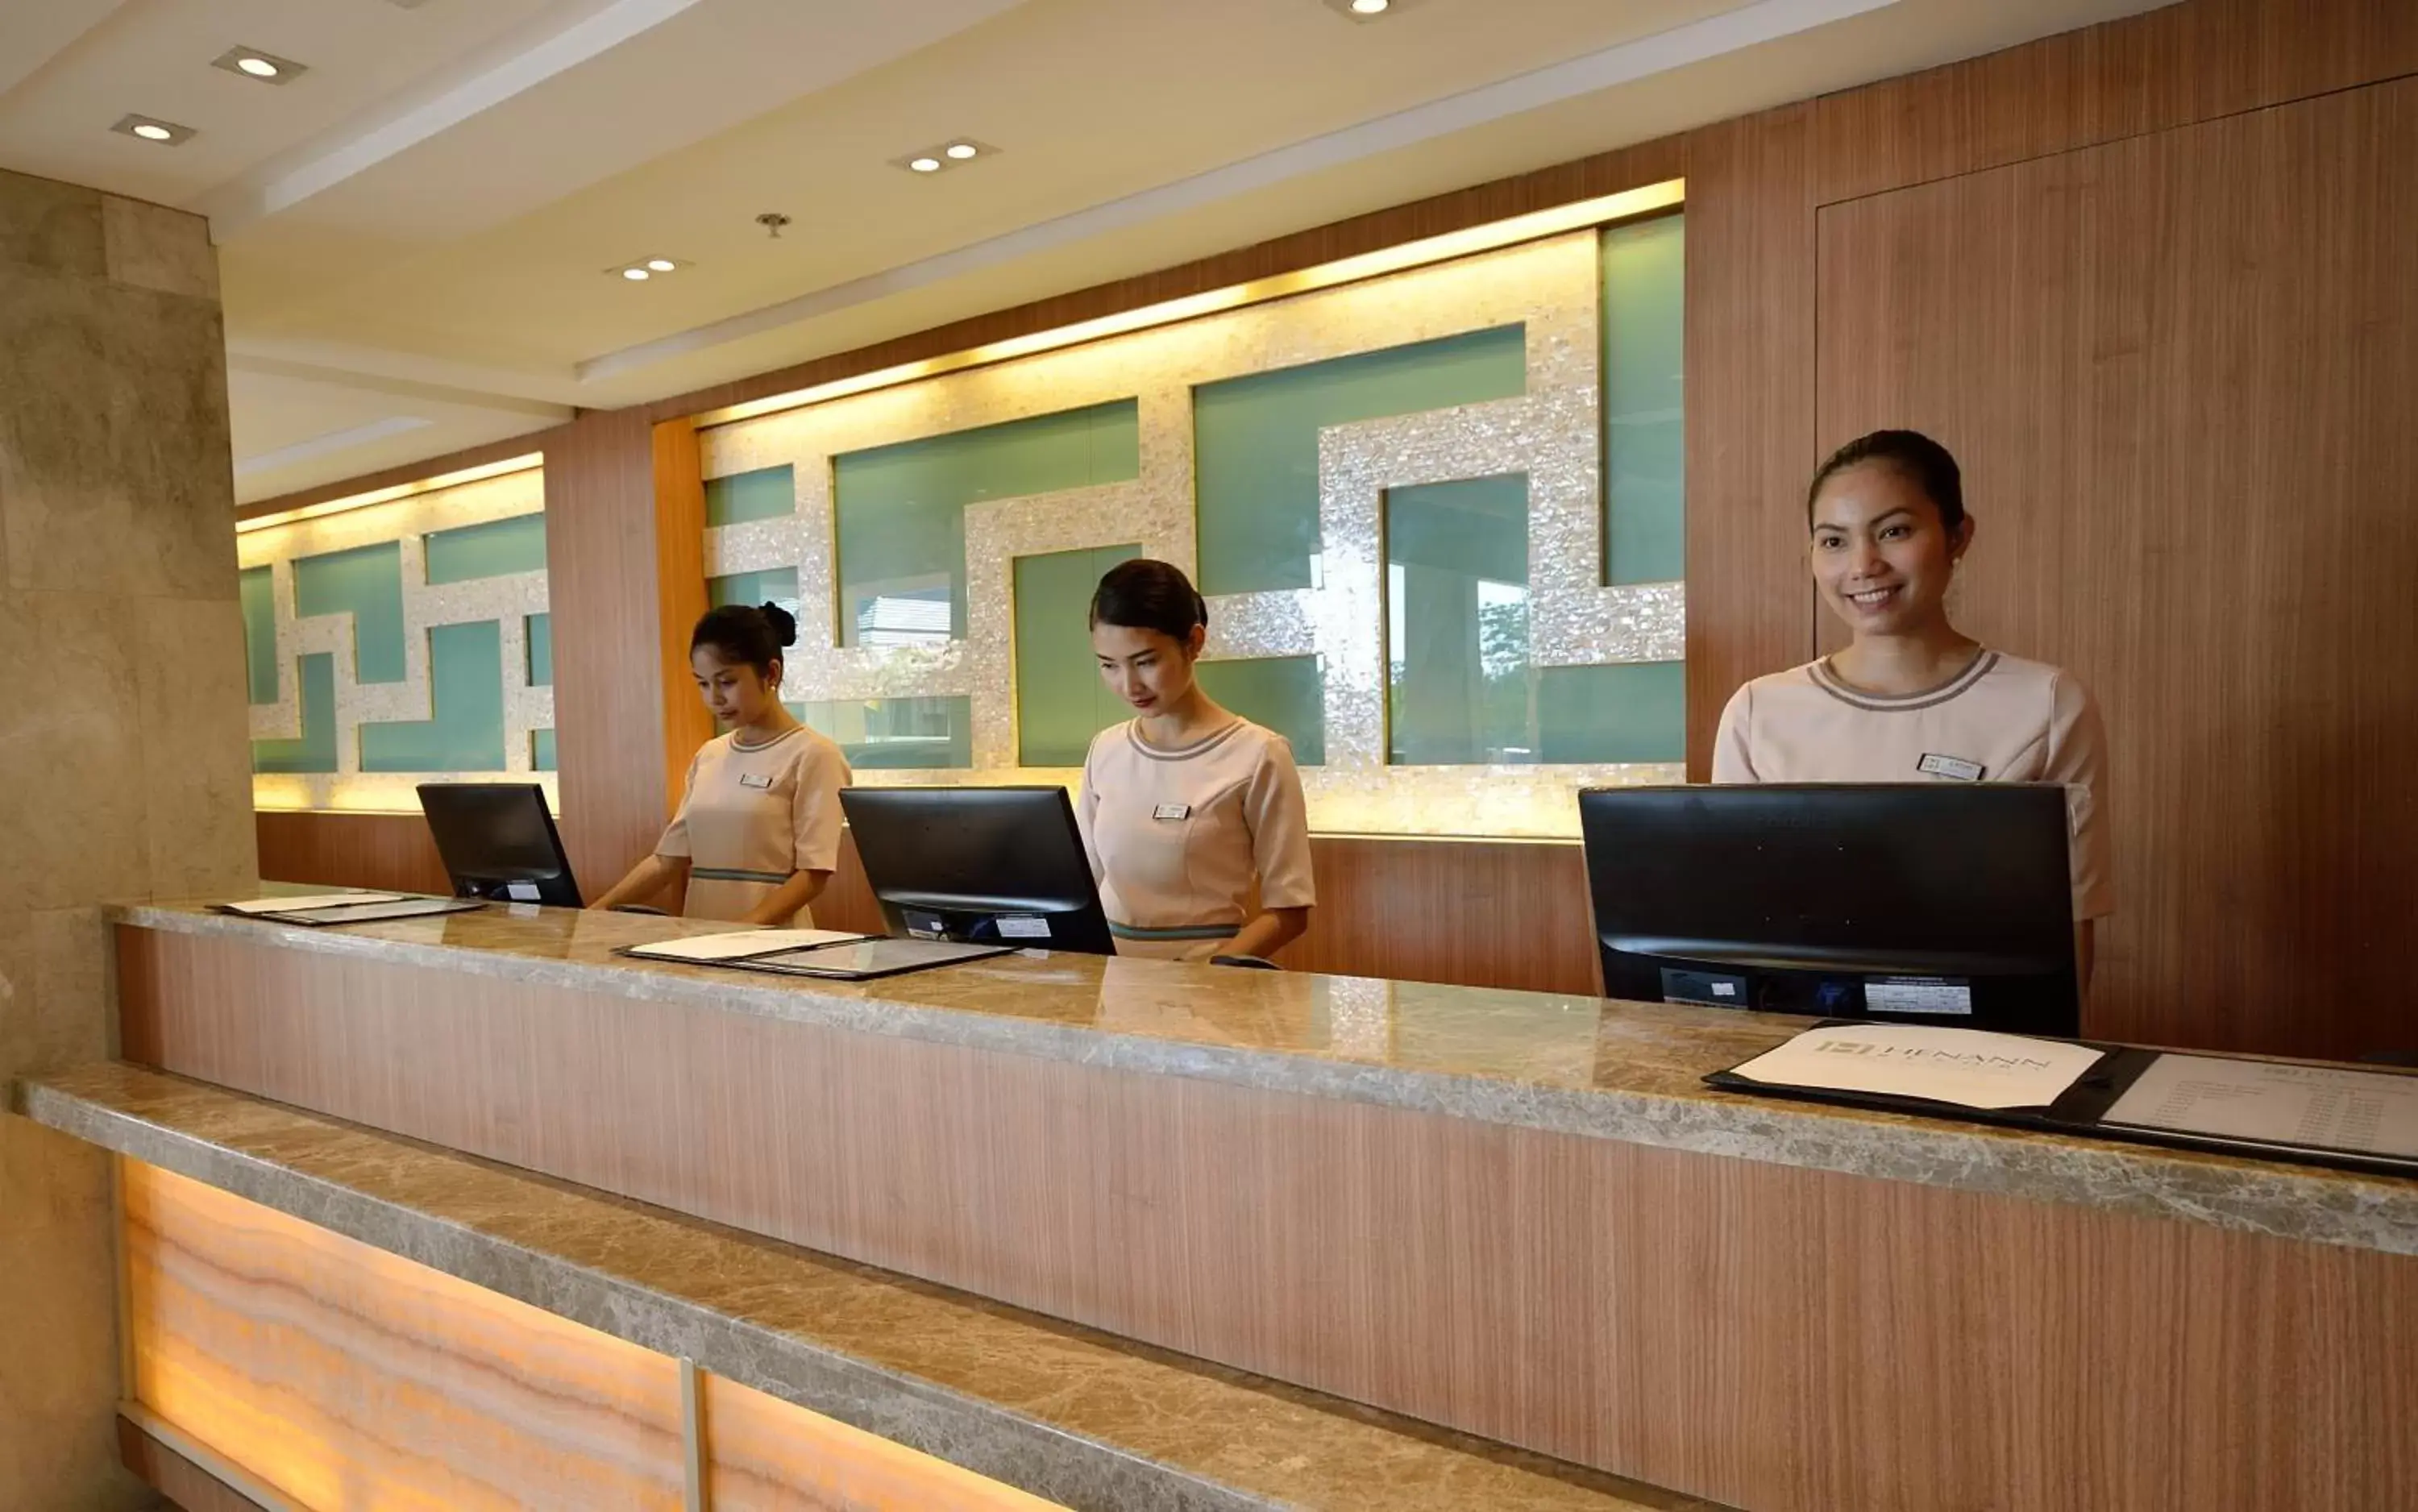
x=1577 y=1066
x=1080 y=1417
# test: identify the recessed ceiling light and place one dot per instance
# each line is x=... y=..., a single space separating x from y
x=1369 y=9
x=251 y=63
x=636 y=275
x=924 y=164
x=151 y=128
x=661 y=265
x=962 y=150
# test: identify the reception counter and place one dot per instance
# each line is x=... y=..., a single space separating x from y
x=1370 y=1207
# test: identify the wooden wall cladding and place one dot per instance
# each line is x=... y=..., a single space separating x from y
x=342 y=1376
x=2178 y=371
x=391 y=852
x=1774 y=1339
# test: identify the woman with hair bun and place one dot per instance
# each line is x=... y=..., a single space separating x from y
x=1186 y=808
x=758 y=832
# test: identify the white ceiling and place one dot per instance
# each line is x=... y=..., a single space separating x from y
x=414 y=235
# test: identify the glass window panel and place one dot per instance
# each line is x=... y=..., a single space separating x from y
x=1460 y=690
x=900 y=510
x=496 y=549
x=1281 y=693
x=465 y=730
x=765 y=494
x=366 y=583
x=259 y=592
x=778 y=586
x=1256 y=443
x=314 y=684
x=539 y=637
x=922 y=734
x=1061 y=702
x=1645 y=439
x=541 y=750
x=1634 y=711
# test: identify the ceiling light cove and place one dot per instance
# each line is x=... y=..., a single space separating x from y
x=947 y=154
x=1368 y=9
x=263 y=68
x=151 y=128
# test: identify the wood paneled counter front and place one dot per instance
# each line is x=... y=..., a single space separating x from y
x=1515 y=1214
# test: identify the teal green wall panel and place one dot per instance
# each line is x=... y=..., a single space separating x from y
x=1280 y=693
x=466 y=672
x=259 y=592
x=496 y=549
x=1644 y=436
x=897 y=734
x=366 y=583
x=778 y=586
x=900 y=509
x=1061 y=701
x=765 y=494
x=1636 y=711
x=1459 y=685
x=1256 y=443
x=314 y=684
x=541 y=750
x=538 y=634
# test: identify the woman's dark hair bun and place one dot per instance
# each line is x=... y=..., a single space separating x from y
x=744 y=635
x=1917 y=458
x=1143 y=594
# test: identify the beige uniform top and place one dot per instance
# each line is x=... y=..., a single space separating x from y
x=1176 y=836
x=2002 y=719
x=753 y=815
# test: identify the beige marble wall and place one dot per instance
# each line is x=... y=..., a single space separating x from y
x=124 y=767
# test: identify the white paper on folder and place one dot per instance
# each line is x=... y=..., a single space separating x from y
x=743 y=943
x=2322 y=1106
x=1969 y=1067
x=310 y=900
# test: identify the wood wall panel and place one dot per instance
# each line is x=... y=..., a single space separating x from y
x=346 y=1377
x=373 y=850
x=2178 y=371
x=1503 y=914
x=2167 y=68
x=1773 y=1338
x=609 y=694
x=680 y=597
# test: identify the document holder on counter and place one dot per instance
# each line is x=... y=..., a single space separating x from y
x=2323 y=1115
x=857 y=959
x=319 y=913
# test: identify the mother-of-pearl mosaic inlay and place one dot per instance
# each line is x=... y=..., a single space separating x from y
x=508 y=600
x=1552 y=433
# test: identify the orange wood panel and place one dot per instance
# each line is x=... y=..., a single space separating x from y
x=679 y=596
x=346 y=1377
x=2178 y=372
x=609 y=694
x=1749 y=402
x=344 y=850
x=2167 y=68
x=1769 y=1336
x=763 y=1455
x=1501 y=913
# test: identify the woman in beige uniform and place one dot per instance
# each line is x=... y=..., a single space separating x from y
x=757 y=831
x=1911 y=699
x=1187 y=804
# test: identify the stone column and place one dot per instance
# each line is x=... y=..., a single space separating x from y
x=125 y=770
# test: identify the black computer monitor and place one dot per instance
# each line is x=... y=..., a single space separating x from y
x=1925 y=903
x=992 y=865
x=497 y=841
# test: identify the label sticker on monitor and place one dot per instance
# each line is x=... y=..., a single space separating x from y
x=1917 y=995
x=1023 y=926
x=1717 y=989
x=521 y=891
x=924 y=925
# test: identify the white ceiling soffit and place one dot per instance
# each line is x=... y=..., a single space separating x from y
x=1761 y=22
x=33 y=32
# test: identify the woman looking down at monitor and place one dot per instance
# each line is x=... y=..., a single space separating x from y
x=1186 y=804
x=758 y=832
x=1912 y=699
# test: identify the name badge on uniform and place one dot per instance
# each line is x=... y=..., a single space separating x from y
x=749 y=779
x=1171 y=810
x=1956 y=769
